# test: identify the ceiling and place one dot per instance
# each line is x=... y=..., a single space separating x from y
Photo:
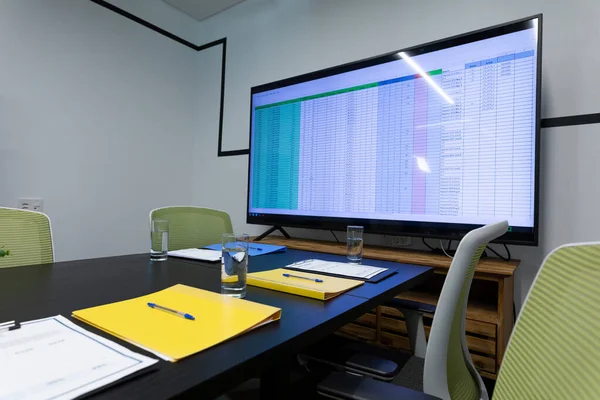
x=202 y=9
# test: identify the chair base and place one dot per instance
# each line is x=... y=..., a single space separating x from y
x=340 y=356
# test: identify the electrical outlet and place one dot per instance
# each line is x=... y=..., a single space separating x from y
x=33 y=204
x=400 y=241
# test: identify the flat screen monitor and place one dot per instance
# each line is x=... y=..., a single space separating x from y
x=430 y=141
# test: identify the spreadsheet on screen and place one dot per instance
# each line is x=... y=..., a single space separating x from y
x=381 y=142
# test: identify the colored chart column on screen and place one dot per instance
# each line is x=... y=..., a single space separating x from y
x=277 y=157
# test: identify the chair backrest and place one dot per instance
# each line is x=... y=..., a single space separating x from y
x=449 y=372
x=553 y=352
x=192 y=227
x=26 y=236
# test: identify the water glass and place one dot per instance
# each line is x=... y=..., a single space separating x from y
x=159 y=240
x=354 y=244
x=234 y=265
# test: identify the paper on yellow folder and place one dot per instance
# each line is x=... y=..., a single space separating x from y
x=171 y=337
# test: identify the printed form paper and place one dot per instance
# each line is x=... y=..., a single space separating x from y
x=52 y=358
x=337 y=268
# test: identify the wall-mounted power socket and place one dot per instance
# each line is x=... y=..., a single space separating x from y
x=33 y=204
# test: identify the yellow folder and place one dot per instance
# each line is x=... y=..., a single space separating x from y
x=329 y=288
x=171 y=337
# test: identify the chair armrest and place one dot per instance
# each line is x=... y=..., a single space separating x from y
x=350 y=387
x=344 y=355
x=411 y=305
x=370 y=365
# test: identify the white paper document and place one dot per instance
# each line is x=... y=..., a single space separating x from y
x=197 y=254
x=337 y=268
x=52 y=358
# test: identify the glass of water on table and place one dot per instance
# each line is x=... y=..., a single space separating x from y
x=234 y=265
x=354 y=244
x=159 y=240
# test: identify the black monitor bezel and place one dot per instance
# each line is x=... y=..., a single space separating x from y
x=518 y=236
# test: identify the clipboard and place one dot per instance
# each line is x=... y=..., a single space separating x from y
x=373 y=279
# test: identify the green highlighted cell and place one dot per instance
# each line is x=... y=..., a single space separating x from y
x=340 y=91
x=317 y=96
x=276 y=160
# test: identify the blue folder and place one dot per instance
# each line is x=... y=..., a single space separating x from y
x=254 y=249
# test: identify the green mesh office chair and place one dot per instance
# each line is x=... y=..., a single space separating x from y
x=449 y=372
x=26 y=236
x=554 y=352
x=193 y=227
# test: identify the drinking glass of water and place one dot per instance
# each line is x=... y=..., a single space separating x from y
x=354 y=244
x=234 y=265
x=159 y=240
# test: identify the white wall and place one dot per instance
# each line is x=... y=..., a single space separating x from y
x=97 y=116
x=276 y=39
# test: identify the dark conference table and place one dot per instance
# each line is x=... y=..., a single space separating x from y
x=33 y=292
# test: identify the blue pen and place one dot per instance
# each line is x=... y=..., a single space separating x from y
x=255 y=248
x=302 y=277
x=181 y=314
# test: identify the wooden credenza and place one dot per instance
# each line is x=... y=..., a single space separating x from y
x=490 y=316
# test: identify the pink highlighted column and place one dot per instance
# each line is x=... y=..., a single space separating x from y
x=419 y=176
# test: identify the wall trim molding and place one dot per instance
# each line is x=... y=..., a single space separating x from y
x=571 y=120
x=145 y=23
x=555 y=122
